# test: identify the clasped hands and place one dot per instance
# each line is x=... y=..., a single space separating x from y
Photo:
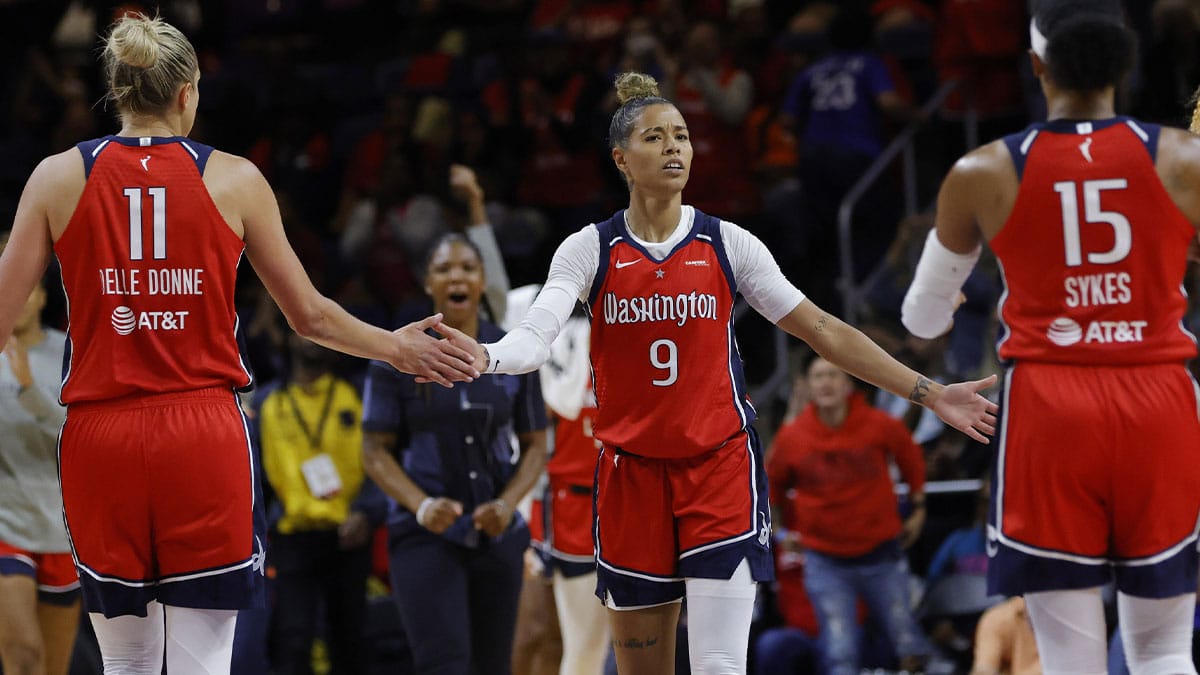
x=455 y=357
x=437 y=514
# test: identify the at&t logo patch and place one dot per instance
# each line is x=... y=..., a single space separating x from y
x=1064 y=332
x=125 y=321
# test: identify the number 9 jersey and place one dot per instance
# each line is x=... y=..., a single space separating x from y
x=669 y=384
x=149 y=266
x=1105 y=286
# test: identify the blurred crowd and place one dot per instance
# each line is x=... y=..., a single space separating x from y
x=383 y=125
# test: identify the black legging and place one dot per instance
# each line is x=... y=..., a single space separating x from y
x=458 y=605
x=311 y=568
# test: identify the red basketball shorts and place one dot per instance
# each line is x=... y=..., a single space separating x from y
x=54 y=573
x=1098 y=472
x=659 y=521
x=159 y=498
x=568 y=515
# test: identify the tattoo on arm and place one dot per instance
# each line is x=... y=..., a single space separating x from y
x=920 y=390
x=821 y=321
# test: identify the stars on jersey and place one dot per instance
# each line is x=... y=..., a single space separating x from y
x=659 y=274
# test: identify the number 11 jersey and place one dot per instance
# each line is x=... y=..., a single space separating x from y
x=149 y=266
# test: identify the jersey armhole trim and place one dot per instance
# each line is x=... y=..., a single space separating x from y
x=709 y=230
x=90 y=151
x=607 y=237
x=1019 y=145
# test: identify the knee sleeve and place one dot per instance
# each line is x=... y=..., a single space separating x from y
x=1070 y=631
x=584 y=624
x=131 y=645
x=1157 y=633
x=719 y=612
x=199 y=641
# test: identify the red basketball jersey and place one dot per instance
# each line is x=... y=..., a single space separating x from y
x=667 y=373
x=1094 y=251
x=148 y=265
x=575 y=448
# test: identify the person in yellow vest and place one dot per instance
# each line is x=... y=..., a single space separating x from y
x=323 y=512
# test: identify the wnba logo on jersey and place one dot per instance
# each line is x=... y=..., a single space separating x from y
x=675 y=308
x=124 y=321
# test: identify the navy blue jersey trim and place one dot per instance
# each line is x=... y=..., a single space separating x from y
x=1148 y=134
x=1071 y=126
x=199 y=152
x=90 y=150
x=710 y=227
x=607 y=232
x=622 y=229
x=1020 y=143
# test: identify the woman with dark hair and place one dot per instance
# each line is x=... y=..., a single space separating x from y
x=680 y=505
x=1090 y=215
x=455 y=463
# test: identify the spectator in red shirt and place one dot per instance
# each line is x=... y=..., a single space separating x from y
x=830 y=467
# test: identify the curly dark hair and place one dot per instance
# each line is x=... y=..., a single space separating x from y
x=1088 y=45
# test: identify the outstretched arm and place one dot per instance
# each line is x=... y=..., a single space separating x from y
x=322 y=320
x=527 y=347
x=765 y=288
x=959 y=405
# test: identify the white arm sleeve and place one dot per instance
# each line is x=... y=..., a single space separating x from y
x=930 y=302
x=572 y=270
x=757 y=275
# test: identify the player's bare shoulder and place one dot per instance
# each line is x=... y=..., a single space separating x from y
x=983 y=166
x=228 y=171
x=981 y=187
x=55 y=187
x=1178 y=167
x=236 y=186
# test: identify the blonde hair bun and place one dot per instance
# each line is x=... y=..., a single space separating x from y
x=632 y=86
x=145 y=62
x=134 y=40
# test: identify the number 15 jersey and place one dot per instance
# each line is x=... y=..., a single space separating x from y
x=149 y=266
x=1094 y=251
x=667 y=373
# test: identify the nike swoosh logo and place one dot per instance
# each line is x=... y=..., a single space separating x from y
x=621 y=264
